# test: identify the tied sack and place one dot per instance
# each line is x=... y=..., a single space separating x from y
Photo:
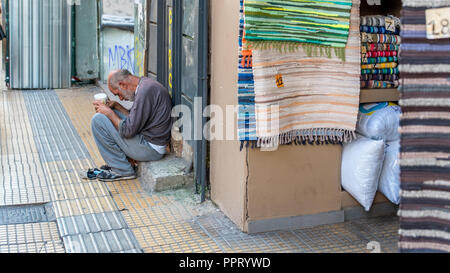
x=379 y=121
x=362 y=162
x=390 y=175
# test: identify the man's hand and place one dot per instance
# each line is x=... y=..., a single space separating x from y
x=112 y=104
x=117 y=106
x=103 y=109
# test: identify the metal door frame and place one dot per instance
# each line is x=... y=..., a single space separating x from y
x=200 y=146
x=203 y=85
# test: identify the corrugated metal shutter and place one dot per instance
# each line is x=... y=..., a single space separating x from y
x=40 y=44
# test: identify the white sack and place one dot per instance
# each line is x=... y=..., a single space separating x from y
x=390 y=175
x=362 y=162
x=379 y=121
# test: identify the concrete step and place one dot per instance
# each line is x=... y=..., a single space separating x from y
x=170 y=173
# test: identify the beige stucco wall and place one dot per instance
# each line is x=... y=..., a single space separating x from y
x=294 y=181
x=228 y=164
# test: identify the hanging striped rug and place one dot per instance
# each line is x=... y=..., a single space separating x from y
x=425 y=127
x=246 y=92
x=305 y=99
x=286 y=24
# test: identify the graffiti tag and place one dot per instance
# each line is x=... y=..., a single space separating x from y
x=121 y=58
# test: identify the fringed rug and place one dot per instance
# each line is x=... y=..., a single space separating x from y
x=425 y=153
x=246 y=92
x=319 y=26
x=305 y=99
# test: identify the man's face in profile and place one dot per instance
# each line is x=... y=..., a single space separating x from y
x=123 y=93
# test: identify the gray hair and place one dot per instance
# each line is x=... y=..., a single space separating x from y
x=119 y=76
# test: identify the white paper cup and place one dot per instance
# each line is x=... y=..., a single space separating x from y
x=103 y=98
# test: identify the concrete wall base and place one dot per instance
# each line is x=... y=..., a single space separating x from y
x=335 y=217
x=297 y=222
x=377 y=210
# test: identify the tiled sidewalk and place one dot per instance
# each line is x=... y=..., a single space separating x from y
x=46 y=139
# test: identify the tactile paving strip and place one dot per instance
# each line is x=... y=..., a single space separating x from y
x=66 y=144
x=22 y=180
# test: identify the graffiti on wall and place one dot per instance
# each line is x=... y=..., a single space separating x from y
x=121 y=57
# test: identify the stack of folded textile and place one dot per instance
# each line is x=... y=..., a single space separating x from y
x=379 y=52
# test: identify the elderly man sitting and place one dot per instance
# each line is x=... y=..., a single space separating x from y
x=122 y=136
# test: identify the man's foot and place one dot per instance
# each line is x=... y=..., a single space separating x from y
x=105 y=168
x=108 y=168
x=90 y=174
x=110 y=176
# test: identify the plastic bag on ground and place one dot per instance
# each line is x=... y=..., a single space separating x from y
x=390 y=175
x=379 y=121
x=362 y=162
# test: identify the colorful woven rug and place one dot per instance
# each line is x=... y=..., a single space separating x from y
x=314 y=99
x=425 y=127
x=246 y=93
x=289 y=23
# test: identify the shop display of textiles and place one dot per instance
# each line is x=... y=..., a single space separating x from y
x=282 y=96
x=380 y=40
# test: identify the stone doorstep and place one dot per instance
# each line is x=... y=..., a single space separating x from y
x=170 y=173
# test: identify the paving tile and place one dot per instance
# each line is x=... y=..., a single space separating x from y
x=41 y=247
x=67 y=208
x=101 y=242
x=91 y=223
x=22 y=234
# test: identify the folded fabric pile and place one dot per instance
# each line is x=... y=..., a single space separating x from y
x=299 y=72
x=425 y=132
x=379 y=52
x=371 y=162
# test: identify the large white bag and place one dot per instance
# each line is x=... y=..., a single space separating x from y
x=390 y=175
x=362 y=162
x=379 y=121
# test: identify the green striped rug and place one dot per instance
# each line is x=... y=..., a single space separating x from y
x=319 y=26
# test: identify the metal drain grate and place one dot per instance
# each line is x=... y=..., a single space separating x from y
x=28 y=214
